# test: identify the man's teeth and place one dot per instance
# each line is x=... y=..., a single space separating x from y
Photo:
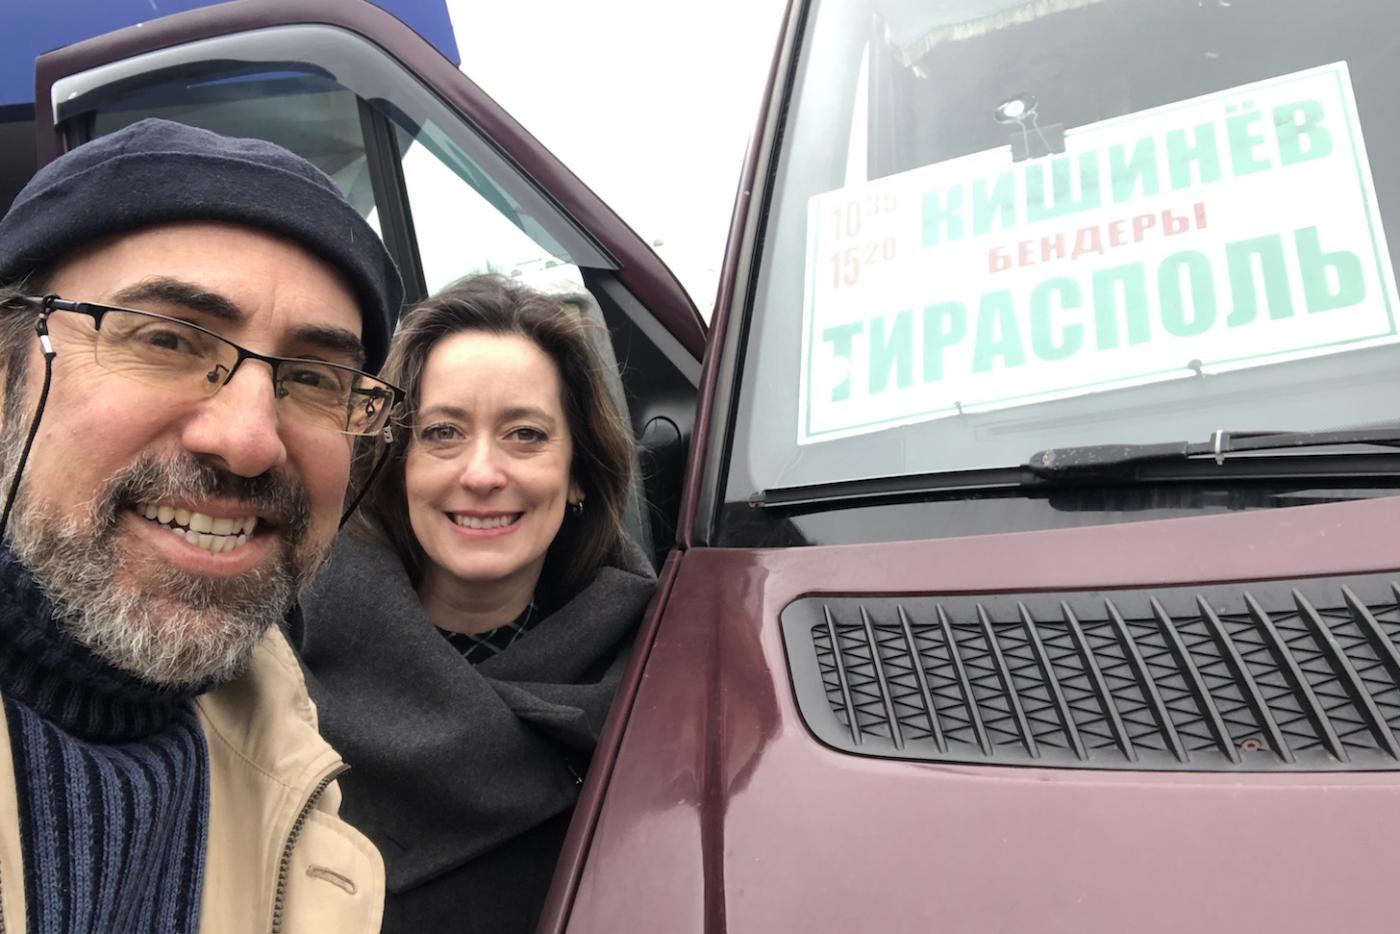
x=494 y=522
x=211 y=534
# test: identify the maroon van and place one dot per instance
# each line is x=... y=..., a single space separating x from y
x=1026 y=514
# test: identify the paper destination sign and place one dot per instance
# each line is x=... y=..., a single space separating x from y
x=1232 y=230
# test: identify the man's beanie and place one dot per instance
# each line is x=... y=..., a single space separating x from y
x=159 y=172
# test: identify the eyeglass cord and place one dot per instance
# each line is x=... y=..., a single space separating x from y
x=369 y=481
x=41 y=327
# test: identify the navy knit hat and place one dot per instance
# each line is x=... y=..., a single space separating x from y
x=159 y=172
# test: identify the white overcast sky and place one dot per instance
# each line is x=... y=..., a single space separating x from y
x=649 y=102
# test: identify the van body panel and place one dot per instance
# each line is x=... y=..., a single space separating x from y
x=724 y=813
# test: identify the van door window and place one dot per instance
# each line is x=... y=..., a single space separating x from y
x=466 y=224
x=305 y=112
x=446 y=201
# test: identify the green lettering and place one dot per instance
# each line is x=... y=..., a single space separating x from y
x=895 y=352
x=1061 y=199
x=940 y=214
x=1125 y=173
x=841 y=337
x=1330 y=280
x=1301 y=135
x=1000 y=203
x=945 y=324
x=997 y=333
x=1239 y=260
x=1244 y=143
x=1181 y=156
x=1129 y=282
x=1177 y=320
x=1043 y=332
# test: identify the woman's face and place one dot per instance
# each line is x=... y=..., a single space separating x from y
x=487 y=473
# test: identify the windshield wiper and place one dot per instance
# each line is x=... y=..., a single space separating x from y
x=1115 y=459
x=898 y=488
x=1058 y=468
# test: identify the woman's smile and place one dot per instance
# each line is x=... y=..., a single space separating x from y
x=501 y=523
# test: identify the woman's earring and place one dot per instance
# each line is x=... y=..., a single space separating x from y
x=576 y=508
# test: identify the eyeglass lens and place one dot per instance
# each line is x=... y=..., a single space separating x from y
x=184 y=359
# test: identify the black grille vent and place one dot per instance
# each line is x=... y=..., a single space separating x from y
x=1275 y=676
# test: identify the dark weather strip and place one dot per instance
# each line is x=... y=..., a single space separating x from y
x=1385 y=649
x=973 y=714
x=890 y=717
x=1147 y=682
x=1248 y=685
x=1316 y=714
x=841 y=676
x=1091 y=664
x=1351 y=681
x=930 y=709
x=1193 y=678
x=1032 y=748
x=1052 y=682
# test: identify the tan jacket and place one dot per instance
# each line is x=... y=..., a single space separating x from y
x=279 y=859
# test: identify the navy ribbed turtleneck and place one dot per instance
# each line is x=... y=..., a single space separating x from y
x=112 y=778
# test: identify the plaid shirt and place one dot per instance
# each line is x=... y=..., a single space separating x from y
x=479 y=646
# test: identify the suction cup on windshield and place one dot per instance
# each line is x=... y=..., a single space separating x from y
x=1030 y=140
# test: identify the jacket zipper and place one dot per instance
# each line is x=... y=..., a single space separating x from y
x=284 y=865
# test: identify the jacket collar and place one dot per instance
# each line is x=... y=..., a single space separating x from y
x=267 y=719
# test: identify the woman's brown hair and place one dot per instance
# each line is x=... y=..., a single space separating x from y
x=602 y=441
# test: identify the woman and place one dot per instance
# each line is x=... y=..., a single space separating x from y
x=466 y=639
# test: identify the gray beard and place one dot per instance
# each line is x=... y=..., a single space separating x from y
x=134 y=611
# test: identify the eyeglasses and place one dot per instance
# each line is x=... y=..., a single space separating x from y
x=195 y=363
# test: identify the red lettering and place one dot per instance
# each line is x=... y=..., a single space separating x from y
x=1142 y=223
x=1024 y=256
x=1086 y=240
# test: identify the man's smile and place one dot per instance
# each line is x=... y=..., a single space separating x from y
x=211 y=534
x=205 y=531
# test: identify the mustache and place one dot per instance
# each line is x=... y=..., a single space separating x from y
x=279 y=498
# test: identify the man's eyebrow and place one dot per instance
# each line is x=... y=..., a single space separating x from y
x=168 y=291
x=164 y=290
x=329 y=340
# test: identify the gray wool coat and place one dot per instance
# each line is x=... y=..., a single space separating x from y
x=464 y=776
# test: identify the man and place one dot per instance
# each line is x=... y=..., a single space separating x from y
x=210 y=304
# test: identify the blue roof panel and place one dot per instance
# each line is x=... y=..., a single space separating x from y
x=33 y=27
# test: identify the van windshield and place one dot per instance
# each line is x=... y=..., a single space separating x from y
x=1003 y=226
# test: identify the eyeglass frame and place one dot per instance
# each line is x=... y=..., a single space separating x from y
x=96 y=310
